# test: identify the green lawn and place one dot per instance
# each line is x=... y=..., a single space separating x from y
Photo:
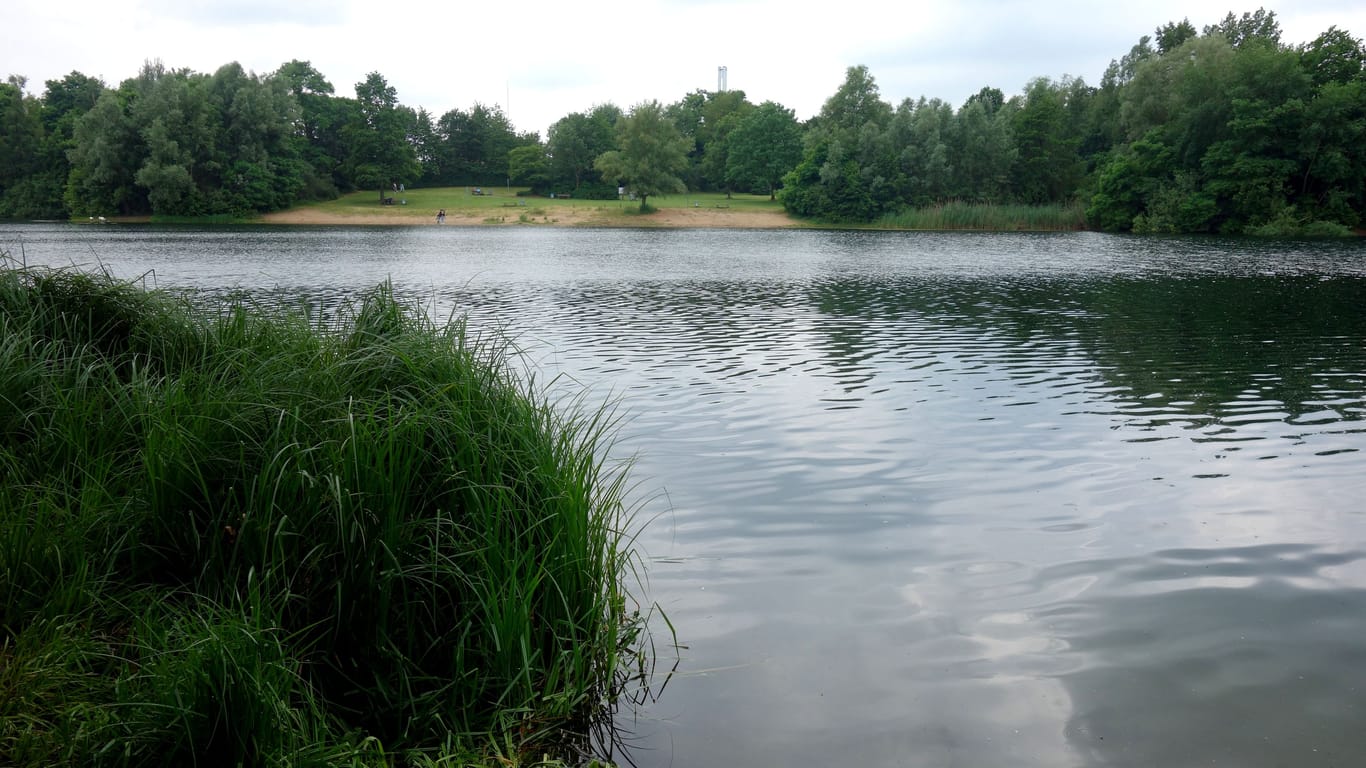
x=497 y=201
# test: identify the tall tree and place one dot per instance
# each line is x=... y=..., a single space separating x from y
x=765 y=145
x=983 y=151
x=318 y=133
x=529 y=165
x=21 y=140
x=1257 y=26
x=473 y=146
x=380 y=155
x=650 y=154
x=1047 y=167
x=847 y=172
x=576 y=140
x=1333 y=57
x=1171 y=35
x=63 y=103
x=924 y=137
x=721 y=115
x=855 y=104
x=105 y=155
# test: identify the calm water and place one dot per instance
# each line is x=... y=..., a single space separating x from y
x=934 y=500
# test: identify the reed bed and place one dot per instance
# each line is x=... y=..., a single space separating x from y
x=232 y=536
x=991 y=217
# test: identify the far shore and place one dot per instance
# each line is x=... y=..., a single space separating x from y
x=675 y=212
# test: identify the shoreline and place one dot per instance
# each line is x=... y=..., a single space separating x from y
x=566 y=216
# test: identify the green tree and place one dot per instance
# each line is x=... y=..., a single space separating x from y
x=1047 y=166
x=576 y=140
x=318 y=131
x=1257 y=26
x=849 y=169
x=254 y=165
x=650 y=154
x=1333 y=57
x=473 y=146
x=1171 y=35
x=105 y=155
x=380 y=155
x=529 y=165
x=705 y=119
x=983 y=151
x=64 y=102
x=765 y=145
x=688 y=116
x=721 y=115
x=1128 y=180
x=854 y=104
x=21 y=141
x=925 y=133
x=1331 y=183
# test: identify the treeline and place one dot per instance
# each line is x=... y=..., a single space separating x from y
x=1225 y=129
x=174 y=142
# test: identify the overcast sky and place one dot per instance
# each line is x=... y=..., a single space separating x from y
x=542 y=59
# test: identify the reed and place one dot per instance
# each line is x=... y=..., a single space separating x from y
x=992 y=217
x=244 y=536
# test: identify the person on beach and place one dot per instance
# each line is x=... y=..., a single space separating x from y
x=441 y=216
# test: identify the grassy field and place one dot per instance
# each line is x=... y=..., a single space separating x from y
x=502 y=203
x=232 y=536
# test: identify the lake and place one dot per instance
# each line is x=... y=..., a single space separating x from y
x=927 y=499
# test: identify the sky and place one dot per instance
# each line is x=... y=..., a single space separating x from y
x=542 y=59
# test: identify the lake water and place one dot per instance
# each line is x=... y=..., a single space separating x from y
x=932 y=499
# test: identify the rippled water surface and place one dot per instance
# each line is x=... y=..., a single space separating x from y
x=924 y=499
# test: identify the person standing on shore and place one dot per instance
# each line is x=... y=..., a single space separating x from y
x=441 y=216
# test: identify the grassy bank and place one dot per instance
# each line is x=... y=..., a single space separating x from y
x=502 y=205
x=237 y=537
x=989 y=217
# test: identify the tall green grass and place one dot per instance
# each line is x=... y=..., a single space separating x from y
x=231 y=536
x=992 y=217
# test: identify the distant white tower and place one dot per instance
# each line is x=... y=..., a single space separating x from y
x=720 y=79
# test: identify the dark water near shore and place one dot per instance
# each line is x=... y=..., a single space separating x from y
x=932 y=499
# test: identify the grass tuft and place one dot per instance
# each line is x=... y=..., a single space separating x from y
x=237 y=536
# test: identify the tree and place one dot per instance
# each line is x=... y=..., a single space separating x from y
x=63 y=103
x=991 y=100
x=850 y=167
x=765 y=145
x=472 y=147
x=705 y=119
x=855 y=104
x=723 y=112
x=924 y=131
x=650 y=153
x=1260 y=25
x=983 y=152
x=380 y=155
x=21 y=138
x=529 y=165
x=318 y=129
x=1047 y=166
x=1333 y=57
x=1171 y=35
x=576 y=140
x=104 y=156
